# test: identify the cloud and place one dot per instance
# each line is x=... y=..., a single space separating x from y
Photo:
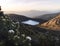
x=30 y=4
x=27 y=1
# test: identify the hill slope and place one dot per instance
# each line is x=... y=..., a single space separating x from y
x=20 y=18
x=53 y=24
x=47 y=16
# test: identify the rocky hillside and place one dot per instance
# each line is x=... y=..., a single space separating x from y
x=53 y=24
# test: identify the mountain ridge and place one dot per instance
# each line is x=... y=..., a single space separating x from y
x=53 y=24
x=31 y=13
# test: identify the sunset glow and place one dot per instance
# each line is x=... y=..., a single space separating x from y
x=23 y=5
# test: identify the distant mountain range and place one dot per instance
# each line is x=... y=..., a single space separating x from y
x=47 y=16
x=34 y=13
x=31 y=13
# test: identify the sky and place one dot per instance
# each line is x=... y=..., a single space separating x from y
x=25 y=5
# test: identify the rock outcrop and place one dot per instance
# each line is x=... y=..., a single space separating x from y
x=53 y=24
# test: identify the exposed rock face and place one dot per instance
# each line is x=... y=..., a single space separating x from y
x=53 y=24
